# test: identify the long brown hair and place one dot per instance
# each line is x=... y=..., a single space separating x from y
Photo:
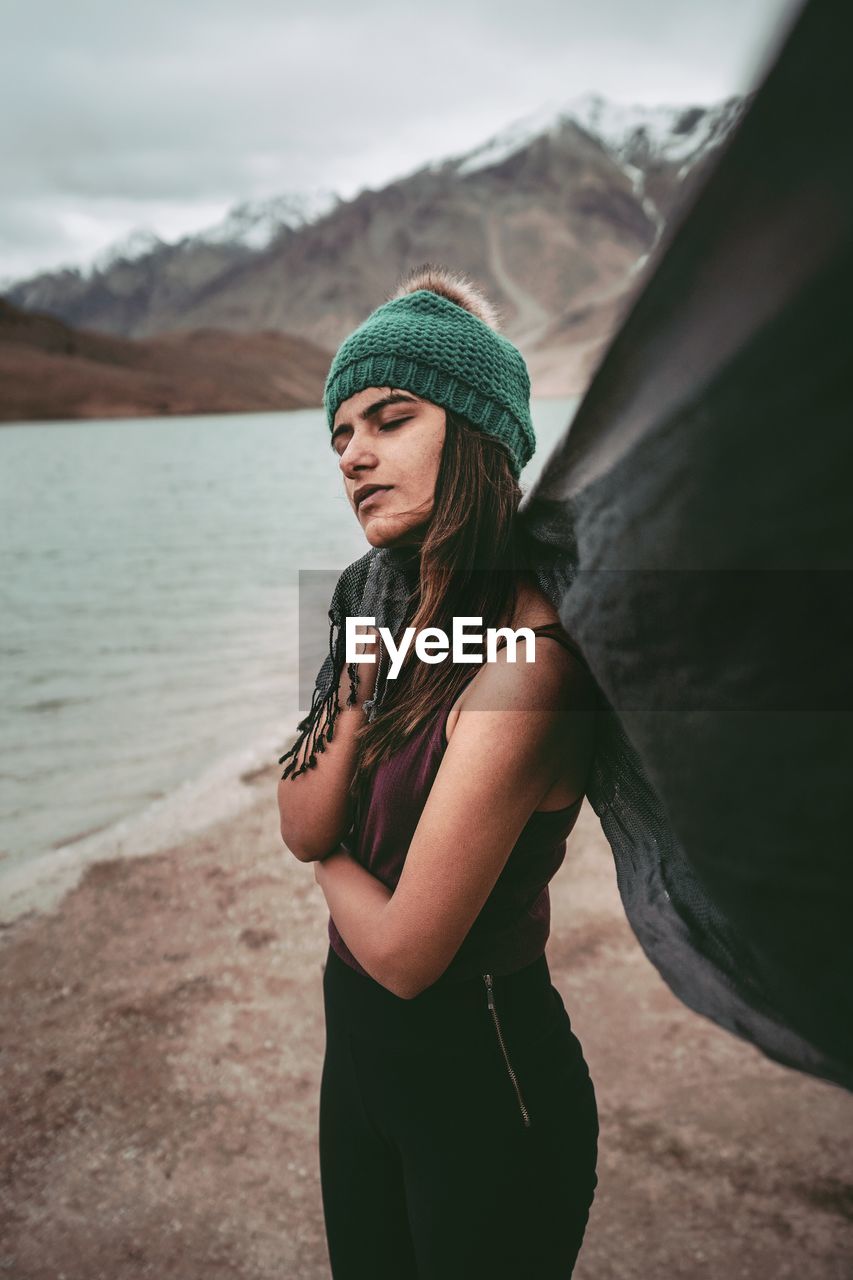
x=472 y=558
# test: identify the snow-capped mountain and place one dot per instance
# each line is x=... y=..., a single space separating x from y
x=639 y=135
x=554 y=215
x=634 y=135
x=255 y=223
x=252 y=224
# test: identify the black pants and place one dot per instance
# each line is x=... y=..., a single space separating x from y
x=456 y=1142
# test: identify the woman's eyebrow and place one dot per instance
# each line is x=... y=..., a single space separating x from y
x=394 y=398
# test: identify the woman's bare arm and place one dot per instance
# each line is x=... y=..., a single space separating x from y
x=315 y=808
x=518 y=729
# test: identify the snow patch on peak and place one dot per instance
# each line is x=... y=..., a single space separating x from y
x=513 y=138
x=638 y=134
x=254 y=224
x=635 y=135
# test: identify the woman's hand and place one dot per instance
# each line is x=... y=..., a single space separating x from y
x=315 y=806
x=357 y=902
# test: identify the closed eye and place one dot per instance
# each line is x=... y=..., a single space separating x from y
x=383 y=426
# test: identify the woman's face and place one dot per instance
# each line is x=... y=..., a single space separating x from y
x=390 y=438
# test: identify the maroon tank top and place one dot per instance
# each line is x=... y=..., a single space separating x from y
x=514 y=922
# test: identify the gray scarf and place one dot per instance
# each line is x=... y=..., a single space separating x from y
x=383 y=584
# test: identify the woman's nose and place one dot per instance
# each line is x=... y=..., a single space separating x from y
x=358 y=454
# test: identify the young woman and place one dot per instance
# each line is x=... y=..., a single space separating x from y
x=458 y=1122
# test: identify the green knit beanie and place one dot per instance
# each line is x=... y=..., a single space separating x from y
x=424 y=343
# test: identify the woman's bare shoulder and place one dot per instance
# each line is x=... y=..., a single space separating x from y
x=533 y=608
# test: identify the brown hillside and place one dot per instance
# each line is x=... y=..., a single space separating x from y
x=50 y=371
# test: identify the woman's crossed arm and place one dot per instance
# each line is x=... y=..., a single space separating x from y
x=520 y=728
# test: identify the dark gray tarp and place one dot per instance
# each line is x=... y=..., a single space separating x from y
x=700 y=510
x=695 y=529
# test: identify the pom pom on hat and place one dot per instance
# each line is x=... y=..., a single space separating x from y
x=453 y=286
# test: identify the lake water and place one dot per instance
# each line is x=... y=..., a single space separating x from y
x=148 y=589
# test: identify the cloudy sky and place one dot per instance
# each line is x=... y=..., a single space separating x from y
x=163 y=115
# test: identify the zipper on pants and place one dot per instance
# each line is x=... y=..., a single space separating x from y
x=487 y=978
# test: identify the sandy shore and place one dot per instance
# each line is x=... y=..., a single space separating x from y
x=161 y=1057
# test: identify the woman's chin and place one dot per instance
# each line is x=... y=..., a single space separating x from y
x=387 y=533
x=379 y=537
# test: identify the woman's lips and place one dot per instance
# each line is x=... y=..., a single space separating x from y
x=371 y=497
